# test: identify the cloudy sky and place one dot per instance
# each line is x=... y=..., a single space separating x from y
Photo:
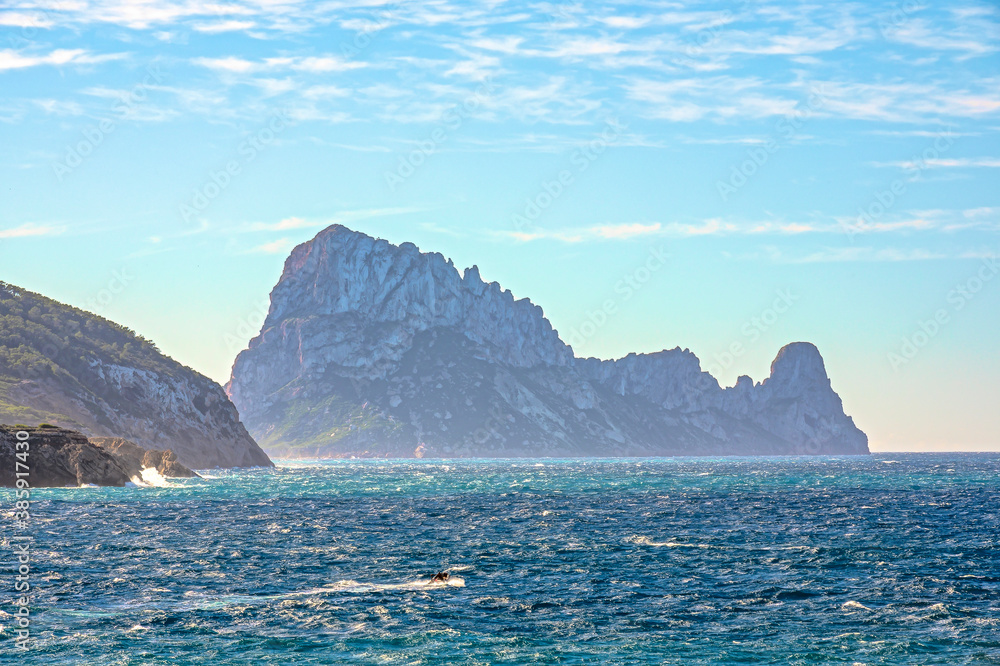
x=809 y=171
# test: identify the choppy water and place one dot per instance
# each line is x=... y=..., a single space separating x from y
x=891 y=559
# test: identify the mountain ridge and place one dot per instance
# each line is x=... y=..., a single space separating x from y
x=346 y=364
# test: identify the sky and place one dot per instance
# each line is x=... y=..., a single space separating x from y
x=723 y=177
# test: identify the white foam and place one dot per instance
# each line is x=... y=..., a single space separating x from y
x=646 y=541
x=151 y=478
x=353 y=586
x=854 y=605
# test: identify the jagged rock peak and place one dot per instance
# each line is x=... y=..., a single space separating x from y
x=341 y=271
x=799 y=362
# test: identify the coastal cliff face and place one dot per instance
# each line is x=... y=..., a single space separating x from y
x=351 y=305
x=70 y=368
x=371 y=349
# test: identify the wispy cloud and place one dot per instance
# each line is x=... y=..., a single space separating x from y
x=17 y=19
x=31 y=230
x=223 y=26
x=280 y=246
x=14 y=59
x=940 y=221
x=343 y=217
x=841 y=254
x=311 y=64
x=284 y=225
x=973 y=35
x=614 y=232
x=944 y=163
x=624 y=231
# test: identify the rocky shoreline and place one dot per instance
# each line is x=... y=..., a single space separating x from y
x=59 y=457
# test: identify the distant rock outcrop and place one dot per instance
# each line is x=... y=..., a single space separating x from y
x=372 y=349
x=67 y=367
x=136 y=457
x=58 y=457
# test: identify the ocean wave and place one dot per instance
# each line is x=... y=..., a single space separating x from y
x=150 y=477
x=646 y=541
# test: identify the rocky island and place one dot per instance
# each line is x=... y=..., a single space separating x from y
x=373 y=349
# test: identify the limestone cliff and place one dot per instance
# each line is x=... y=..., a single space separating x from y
x=67 y=367
x=372 y=349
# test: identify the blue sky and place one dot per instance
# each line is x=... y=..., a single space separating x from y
x=822 y=172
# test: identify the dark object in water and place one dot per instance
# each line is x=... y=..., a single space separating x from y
x=441 y=577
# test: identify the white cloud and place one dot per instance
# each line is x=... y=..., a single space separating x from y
x=940 y=221
x=625 y=231
x=945 y=163
x=223 y=26
x=840 y=254
x=284 y=225
x=31 y=230
x=13 y=59
x=57 y=107
x=280 y=246
x=228 y=64
x=343 y=217
x=972 y=34
x=25 y=20
x=235 y=65
x=719 y=97
x=324 y=64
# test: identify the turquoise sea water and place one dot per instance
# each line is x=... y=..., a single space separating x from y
x=889 y=559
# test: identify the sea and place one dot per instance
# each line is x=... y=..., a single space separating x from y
x=882 y=559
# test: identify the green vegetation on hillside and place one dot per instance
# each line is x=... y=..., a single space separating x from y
x=45 y=341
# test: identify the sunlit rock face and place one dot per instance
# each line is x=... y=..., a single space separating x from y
x=373 y=349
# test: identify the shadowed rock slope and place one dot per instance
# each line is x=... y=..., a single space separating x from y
x=372 y=349
x=58 y=457
x=67 y=367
